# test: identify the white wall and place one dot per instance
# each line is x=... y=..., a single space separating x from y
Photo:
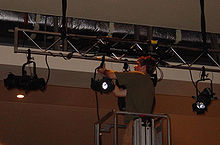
x=78 y=72
x=8 y=57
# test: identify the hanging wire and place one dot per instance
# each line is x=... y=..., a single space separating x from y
x=161 y=74
x=97 y=105
x=191 y=76
x=48 y=75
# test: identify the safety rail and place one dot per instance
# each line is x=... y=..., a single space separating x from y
x=98 y=130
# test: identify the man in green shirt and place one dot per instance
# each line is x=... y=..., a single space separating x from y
x=139 y=89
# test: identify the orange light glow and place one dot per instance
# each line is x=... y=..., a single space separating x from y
x=20 y=96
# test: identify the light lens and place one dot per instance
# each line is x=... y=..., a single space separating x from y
x=200 y=105
x=104 y=85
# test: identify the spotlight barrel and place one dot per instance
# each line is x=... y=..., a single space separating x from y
x=202 y=102
x=25 y=82
x=104 y=85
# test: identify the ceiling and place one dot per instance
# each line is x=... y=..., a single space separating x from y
x=177 y=14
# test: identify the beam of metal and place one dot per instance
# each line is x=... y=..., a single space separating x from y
x=213 y=60
x=73 y=46
x=32 y=40
x=46 y=52
x=114 y=39
x=178 y=55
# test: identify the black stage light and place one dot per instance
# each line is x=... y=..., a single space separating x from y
x=104 y=85
x=107 y=85
x=25 y=82
x=203 y=100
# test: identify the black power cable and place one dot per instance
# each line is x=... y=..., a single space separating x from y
x=204 y=38
x=203 y=23
x=96 y=94
x=48 y=67
x=63 y=28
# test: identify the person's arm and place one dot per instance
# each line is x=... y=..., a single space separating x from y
x=107 y=73
x=119 y=92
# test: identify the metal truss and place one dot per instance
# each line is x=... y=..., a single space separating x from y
x=97 y=40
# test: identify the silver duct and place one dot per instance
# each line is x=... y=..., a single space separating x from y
x=101 y=27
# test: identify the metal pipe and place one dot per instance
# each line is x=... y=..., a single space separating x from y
x=32 y=41
x=133 y=113
x=213 y=60
x=97 y=133
x=152 y=132
x=115 y=39
x=16 y=40
x=54 y=43
x=196 y=59
x=178 y=55
x=168 y=131
x=73 y=46
x=115 y=129
x=104 y=118
x=113 y=112
x=91 y=58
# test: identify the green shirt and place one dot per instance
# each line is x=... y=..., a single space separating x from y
x=140 y=91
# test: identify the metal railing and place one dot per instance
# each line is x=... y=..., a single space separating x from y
x=98 y=130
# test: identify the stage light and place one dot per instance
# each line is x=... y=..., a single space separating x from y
x=25 y=82
x=20 y=96
x=104 y=85
x=202 y=101
x=203 y=98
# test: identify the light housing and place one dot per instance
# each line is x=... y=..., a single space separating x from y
x=25 y=82
x=105 y=85
x=202 y=101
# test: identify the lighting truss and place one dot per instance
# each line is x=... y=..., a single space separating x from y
x=96 y=40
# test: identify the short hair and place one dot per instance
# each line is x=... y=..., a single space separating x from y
x=150 y=63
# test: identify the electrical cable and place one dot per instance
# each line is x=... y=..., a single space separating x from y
x=191 y=77
x=97 y=105
x=96 y=96
x=161 y=74
x=97 y=108
x=48 y=75
x=212 y=76
x=190 y=72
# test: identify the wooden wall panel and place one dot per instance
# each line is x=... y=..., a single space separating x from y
x=66 y=115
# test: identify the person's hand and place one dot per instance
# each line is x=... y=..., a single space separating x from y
x=106 y=73
x=101 y=70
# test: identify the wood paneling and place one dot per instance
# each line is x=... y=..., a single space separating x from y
x=66 y=115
